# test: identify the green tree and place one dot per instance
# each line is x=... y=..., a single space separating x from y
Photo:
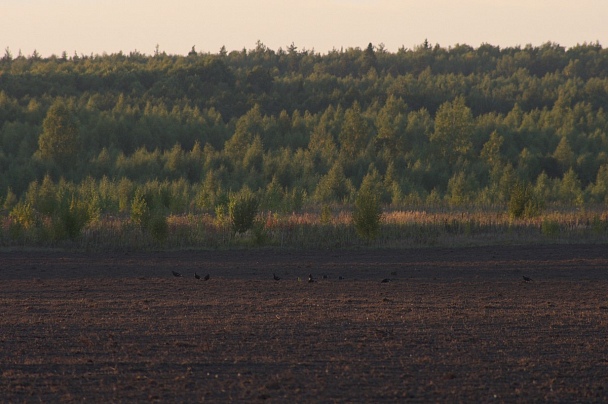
x=334 y=186
x=254 y=155
x=599 y=189
x=369 y=59
x=453 y=130
x=354 y=135
x=390 y=125
x=570 y=188
x=490 y=152
x=367 y=214
x=460 y=189
x=60 y=139
x=45 y=197
x=563 y=154
x=273 y=195
x=140 y=211
x=247 y=127
x=175 y=160
x=10 y=200
x=71 y=217
x=542 y=187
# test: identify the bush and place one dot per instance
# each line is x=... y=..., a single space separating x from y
x=260 y=234
x=367 y=215
x=24 y=215
x=140 y=212
x=549 y=228
x=221 y=215
x=523 y=202
x=23 y=219
x=71 y=218
x=242 y=210
x=159 y=227
x=598 y=225
x=326 y=214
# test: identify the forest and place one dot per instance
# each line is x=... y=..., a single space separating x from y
x=87 y=137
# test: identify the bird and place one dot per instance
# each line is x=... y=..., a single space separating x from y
x=340 y=277
x=527 y=279
x=197 y=276
x=276 y=278
x=176 y=274
x=385 y=280
x=207 y=277
x=310 y=279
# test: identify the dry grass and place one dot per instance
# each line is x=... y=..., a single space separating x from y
x=399 y=229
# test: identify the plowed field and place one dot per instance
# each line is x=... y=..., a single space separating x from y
x=446 y=325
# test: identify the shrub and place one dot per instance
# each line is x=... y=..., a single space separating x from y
x=140 y=212
x=549 y=228
x=221 y=214
x=23 y=218
x=159 y=227
x=72 y=217
x=242 y=210
x=523 y=202
x=260 y=234
x=24 y=215
x=598 y=225
x=367 y=214
x=326 y=214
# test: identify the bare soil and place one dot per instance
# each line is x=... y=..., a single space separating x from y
x=448 y=325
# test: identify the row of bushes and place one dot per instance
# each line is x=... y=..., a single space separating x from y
x=66 y=219
x=51 y=212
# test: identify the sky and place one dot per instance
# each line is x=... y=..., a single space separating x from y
x=109 y=26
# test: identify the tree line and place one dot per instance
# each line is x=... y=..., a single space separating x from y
x=429 y=126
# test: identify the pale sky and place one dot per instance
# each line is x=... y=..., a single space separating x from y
x=110 y=26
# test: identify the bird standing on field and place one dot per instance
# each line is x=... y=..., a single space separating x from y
x=176 y=274
x=276 y=278
x=197 y=276
x=526 y=279
x=310 y=279
x=206 y=277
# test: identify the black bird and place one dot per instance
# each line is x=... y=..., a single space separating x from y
x=526 y=279
x=276 y=278
x=341 y=277
x=310 y=280
x=385 y=280
x=197 y=276
x=176 y=274
x=206 y=277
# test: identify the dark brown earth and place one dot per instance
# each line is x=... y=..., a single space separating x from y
x=449 y=325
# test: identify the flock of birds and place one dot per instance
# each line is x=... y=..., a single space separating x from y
x=196 y=276
x=276 y=278
x=310 y=277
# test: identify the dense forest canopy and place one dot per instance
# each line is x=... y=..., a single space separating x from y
x=426 y=126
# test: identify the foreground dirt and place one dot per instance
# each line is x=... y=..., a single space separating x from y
x=449 y=325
